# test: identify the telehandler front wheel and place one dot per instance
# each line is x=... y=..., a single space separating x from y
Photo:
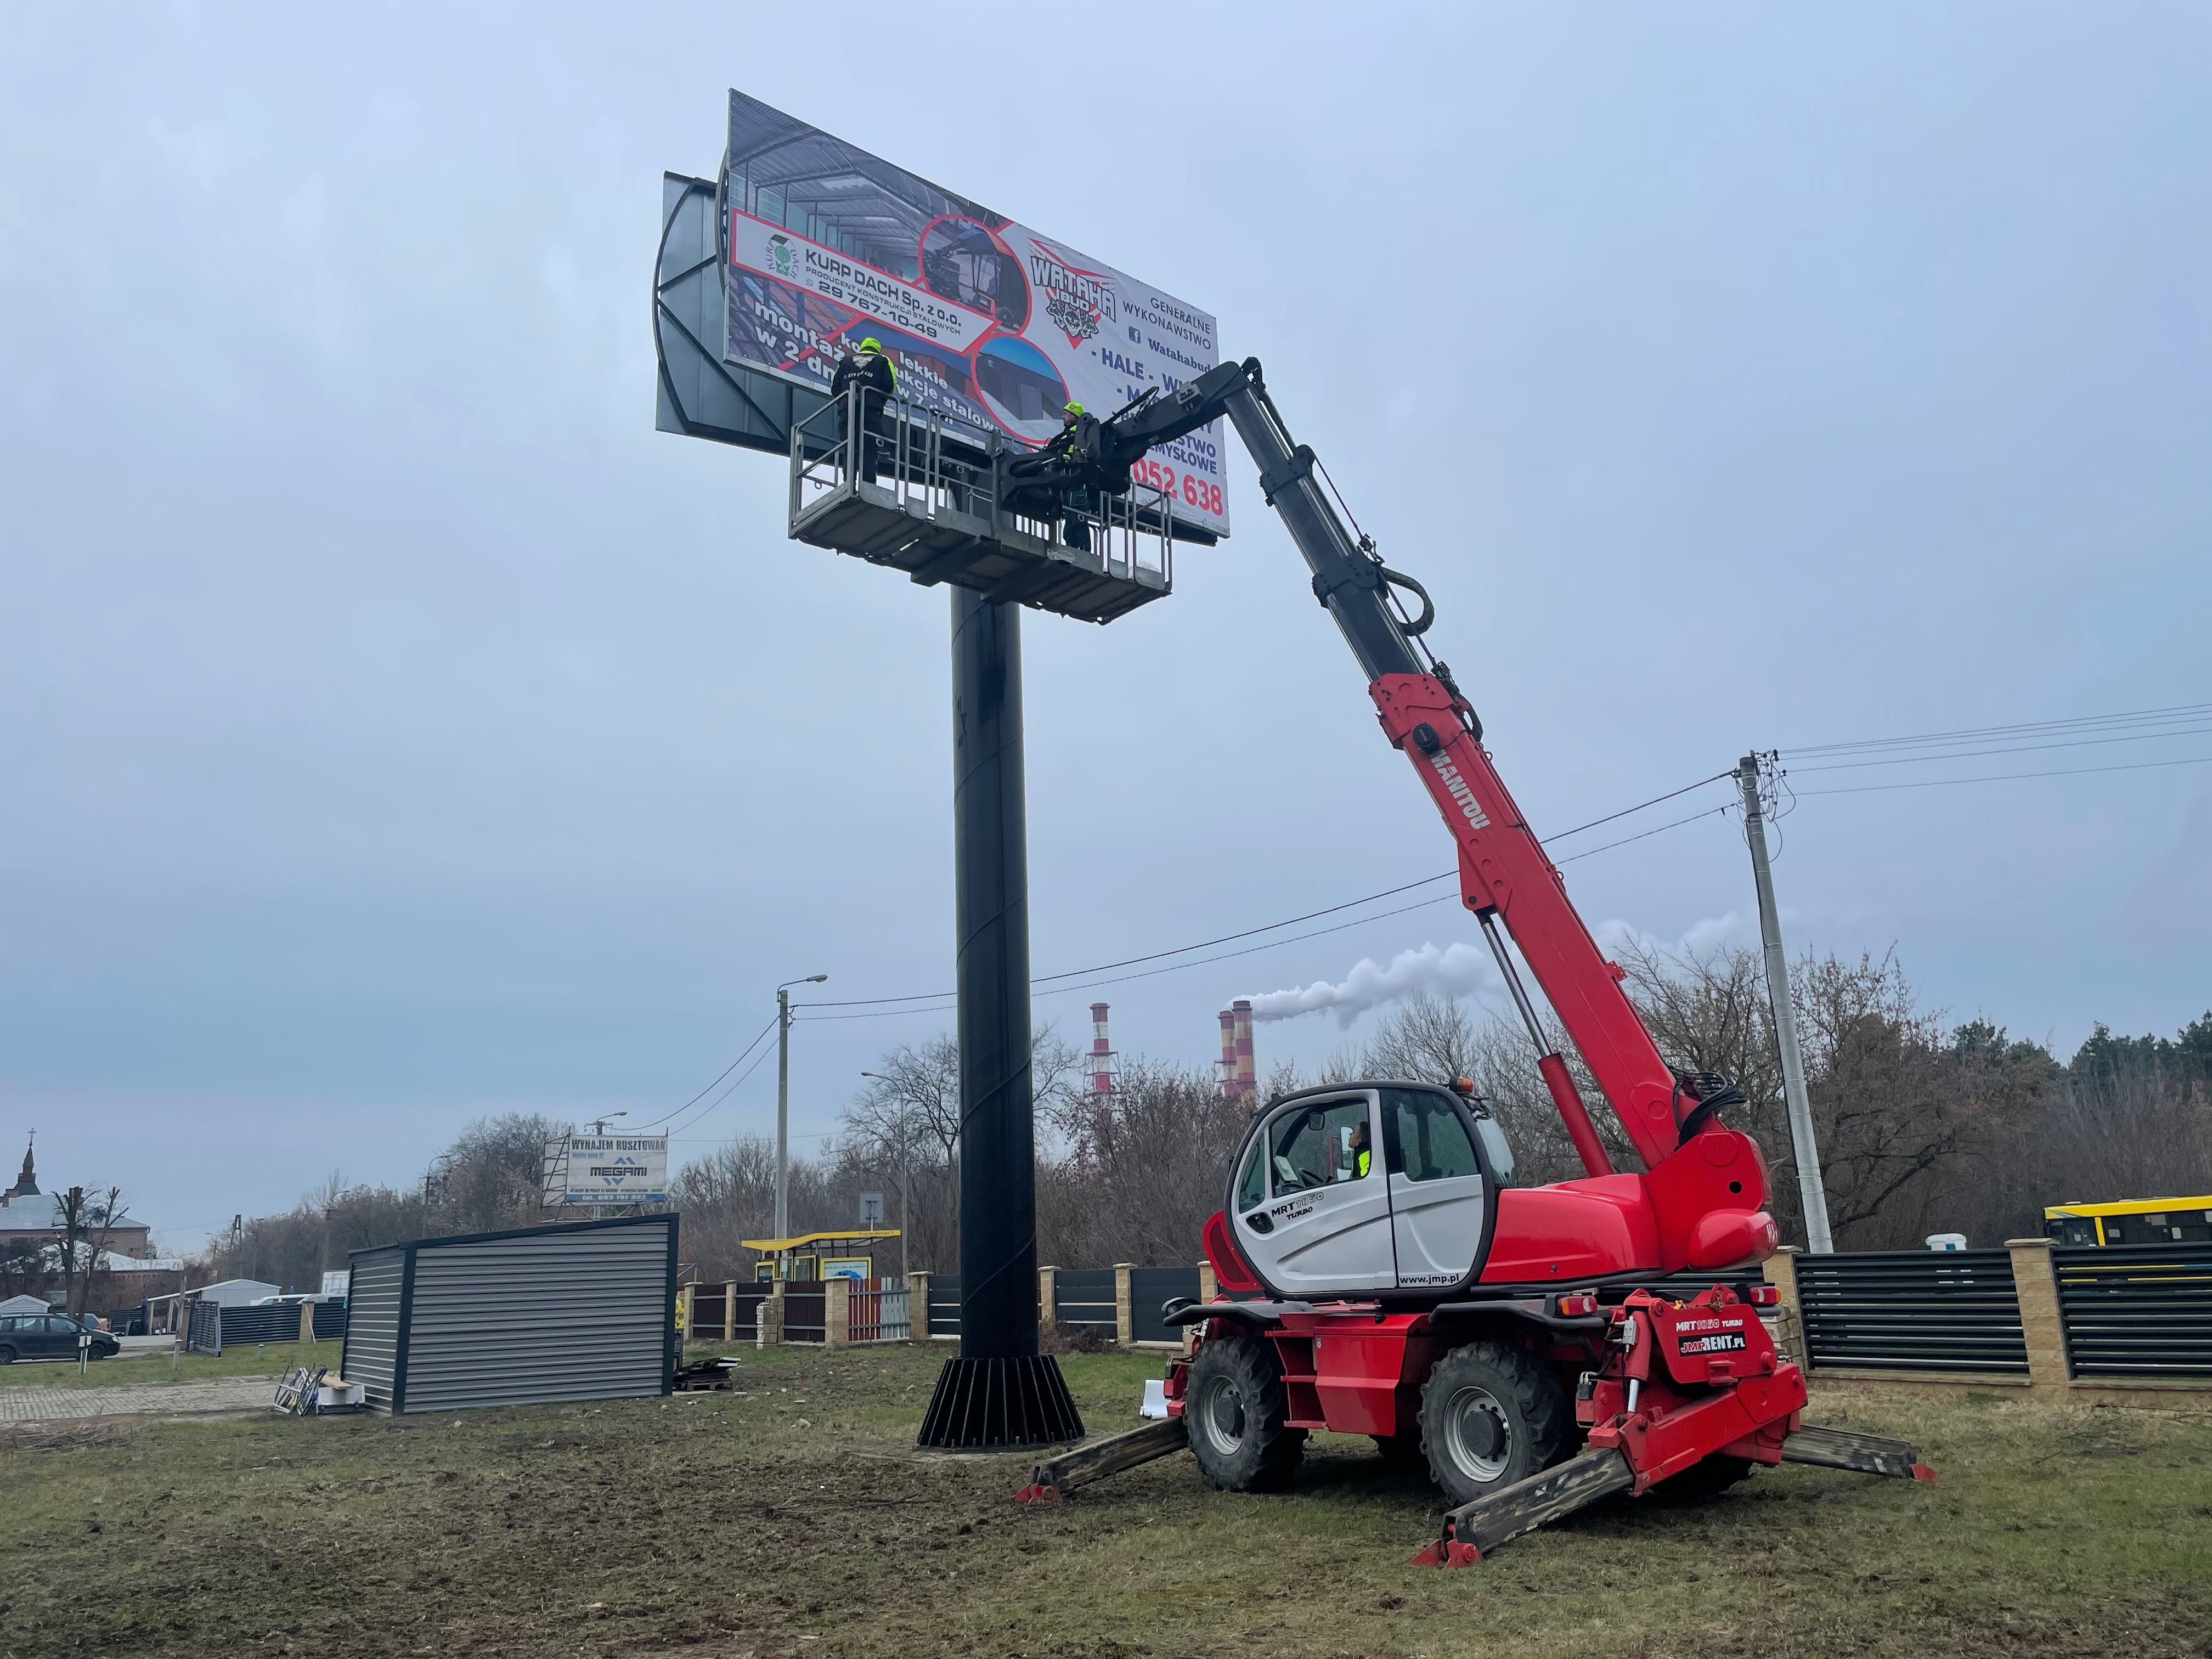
x=1491 y=1414
x=1235 y=1409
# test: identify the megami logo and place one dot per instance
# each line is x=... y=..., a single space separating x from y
x=1470 y=808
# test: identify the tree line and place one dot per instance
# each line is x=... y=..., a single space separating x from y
x=1923 y=1124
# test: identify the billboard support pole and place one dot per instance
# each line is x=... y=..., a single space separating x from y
x=1000 y=1392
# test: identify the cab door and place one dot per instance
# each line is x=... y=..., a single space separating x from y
x=1313 y=1208
x=1440 y=1196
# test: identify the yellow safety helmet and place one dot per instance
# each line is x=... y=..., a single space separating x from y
x=872 y=343
x=1075 y=409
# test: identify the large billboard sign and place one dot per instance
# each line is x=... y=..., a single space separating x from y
x=607 y=1169
x=993 y=325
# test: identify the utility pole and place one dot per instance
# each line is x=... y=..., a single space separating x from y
x=1812 y=1192
x=783 y=1100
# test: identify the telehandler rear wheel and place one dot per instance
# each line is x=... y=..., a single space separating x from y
x=1491 y=1414
x=1236 y=1407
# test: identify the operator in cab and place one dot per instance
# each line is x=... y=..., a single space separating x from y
x=1363 y=1158
x=875 y=375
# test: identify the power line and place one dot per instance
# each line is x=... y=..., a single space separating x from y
x=725 y=1070
x=702 y=1112
x=2014 y=749
x=1626 y=811
x=2055 y=727
x=2002 y=777
x=1173 y=968
x=1130 y=962
x=1046 y=980
x=1710 y=811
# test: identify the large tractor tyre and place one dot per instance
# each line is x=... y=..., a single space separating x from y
x=1235 y=1409
x=1491 y=1414
x=1703 y=1479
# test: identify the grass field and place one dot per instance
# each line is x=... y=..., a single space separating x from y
x=244 y=1359
x=794 y=1518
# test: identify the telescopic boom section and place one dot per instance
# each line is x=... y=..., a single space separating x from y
x=1502 y=867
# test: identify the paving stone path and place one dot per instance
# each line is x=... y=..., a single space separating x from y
x=215 y=1394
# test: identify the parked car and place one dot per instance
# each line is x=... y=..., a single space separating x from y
x=51 y=1336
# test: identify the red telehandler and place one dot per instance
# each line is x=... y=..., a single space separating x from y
x=1536 y=1346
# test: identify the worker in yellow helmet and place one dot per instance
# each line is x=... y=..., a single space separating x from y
x=1067 y=446
x=873 y=377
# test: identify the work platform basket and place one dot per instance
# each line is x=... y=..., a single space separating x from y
x=892 y=486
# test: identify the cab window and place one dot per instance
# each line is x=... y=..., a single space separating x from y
x=1315 y=1146
x=1424 y=1138
x=1252 y=1184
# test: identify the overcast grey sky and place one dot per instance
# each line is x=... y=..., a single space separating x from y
x=394 y=728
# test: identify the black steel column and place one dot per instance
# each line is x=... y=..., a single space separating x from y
x=1000 y=1392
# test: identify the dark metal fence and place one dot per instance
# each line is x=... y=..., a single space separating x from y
x=2136 y=1309
x=1912 y=1310
x=805 y=1312
x=1148 y=1288
x=330 y=1320
x=280 y=1323
x=1083 y=1299
x=945 y=1305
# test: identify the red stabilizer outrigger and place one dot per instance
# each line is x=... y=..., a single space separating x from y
x=1687 y=1386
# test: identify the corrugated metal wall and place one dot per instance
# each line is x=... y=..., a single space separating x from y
x=562 y=1313
x=371 y=1355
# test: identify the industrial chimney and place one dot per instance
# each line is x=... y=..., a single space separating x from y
x=1245 y=1068
x=1227 y=1066
x=1101 y=1054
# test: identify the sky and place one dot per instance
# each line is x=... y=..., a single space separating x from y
x=395 y=729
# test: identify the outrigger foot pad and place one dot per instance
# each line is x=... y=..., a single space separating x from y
x=1473 y=1530
x=1866 y=1454
x=1079 y=1467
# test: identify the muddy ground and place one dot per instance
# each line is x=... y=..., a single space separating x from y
x=794 y=1518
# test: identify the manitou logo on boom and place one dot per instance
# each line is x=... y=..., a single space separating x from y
x=1469 y=806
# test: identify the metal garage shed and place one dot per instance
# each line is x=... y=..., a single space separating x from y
x=586 y=1310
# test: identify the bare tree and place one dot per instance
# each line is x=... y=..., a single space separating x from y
x=491 y=1177
x=86 y=1222
x=1144 y=1167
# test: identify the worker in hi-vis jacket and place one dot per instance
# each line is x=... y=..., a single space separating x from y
x=875 y=376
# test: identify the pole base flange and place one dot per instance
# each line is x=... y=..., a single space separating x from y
x=1000 y=1405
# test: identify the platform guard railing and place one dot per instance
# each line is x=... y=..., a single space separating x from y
x=905 y=450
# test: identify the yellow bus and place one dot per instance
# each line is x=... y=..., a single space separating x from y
x=2132 y=1221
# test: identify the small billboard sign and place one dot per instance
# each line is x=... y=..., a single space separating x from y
x=339 y=1283
x=607 y=1170
x=871 y=1209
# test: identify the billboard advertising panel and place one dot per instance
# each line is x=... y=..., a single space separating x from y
x=608 y=1170
x=993 y=325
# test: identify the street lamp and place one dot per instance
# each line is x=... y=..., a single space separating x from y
x=783 y=1100
x=905 y=1147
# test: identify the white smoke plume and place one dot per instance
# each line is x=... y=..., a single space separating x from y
x=1460 y=970
x=1456 y=970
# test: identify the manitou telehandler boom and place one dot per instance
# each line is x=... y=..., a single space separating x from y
x=1381 y=1279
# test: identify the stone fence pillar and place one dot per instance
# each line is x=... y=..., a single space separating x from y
x=2040 y=1322
x=1125 y=1321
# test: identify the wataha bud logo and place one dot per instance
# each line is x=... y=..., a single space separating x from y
x=1078 y=301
